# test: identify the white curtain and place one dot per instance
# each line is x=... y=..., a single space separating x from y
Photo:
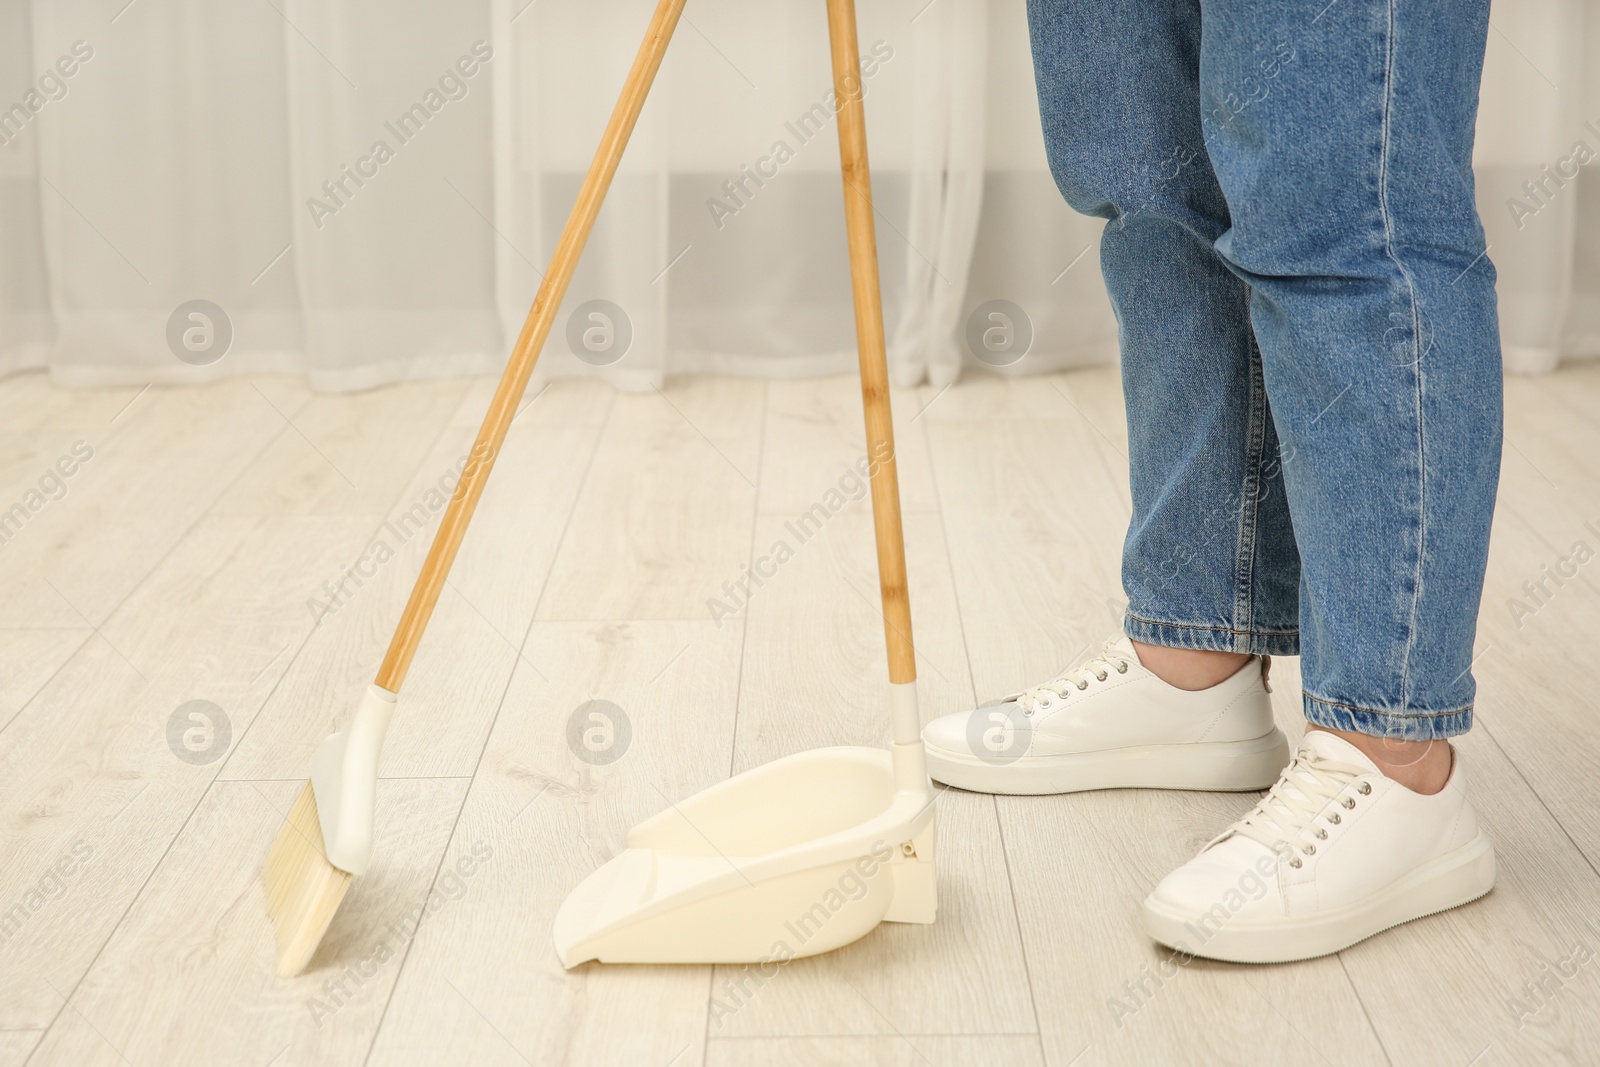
x=368 y=191
x=1539 y=119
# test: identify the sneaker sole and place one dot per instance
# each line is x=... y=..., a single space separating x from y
x=1454 y=879
x=1222 y=766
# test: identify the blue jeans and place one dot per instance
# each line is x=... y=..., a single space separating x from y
x=1310 y=351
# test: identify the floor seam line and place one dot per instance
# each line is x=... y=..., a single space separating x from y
x=488 y=734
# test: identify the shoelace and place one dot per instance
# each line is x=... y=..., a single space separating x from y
x=1096 y=666
x=1309 y=789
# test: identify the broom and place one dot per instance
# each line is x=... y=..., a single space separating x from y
x=309 y=867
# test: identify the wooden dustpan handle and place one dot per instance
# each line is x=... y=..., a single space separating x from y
x=503 y=408
x=858 y=210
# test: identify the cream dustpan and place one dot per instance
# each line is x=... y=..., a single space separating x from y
x=812 y=851
x=796 y=857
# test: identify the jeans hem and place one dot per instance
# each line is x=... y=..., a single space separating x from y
x=1211 y=638
x=1401 y=725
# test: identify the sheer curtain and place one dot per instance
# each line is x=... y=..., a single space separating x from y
x=1539 y=120
x=366 y=192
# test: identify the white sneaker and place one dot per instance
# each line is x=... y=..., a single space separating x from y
x=1109 y=723
x=1334 y=853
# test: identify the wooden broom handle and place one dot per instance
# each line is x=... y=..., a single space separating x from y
x=503 y=408
x=858 y=209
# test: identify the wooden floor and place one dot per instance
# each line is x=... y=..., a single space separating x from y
x=198 y=555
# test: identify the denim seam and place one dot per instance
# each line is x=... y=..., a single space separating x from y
x=1249 y=508
x=1416 y=345
x=1387 y=714
x=1216 y=629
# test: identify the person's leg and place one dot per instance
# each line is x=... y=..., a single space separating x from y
x=1209 y=565
x=1344 y=148
x=1342 y=138
x=1209 y=561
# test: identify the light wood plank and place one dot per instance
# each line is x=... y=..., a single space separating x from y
x=984 y=397
x=188 y=976
x=814 y=443
x=815 y=669
x=17 y=1045
x=1035 y=538
x=30 y=403
x=1441 y=989
x=567 y=402
x=1095 y=396
x=551 y=818
x=28 y=658
x=153 y=474
x=906 y=1050
x=1529 y=637
x=88 y=762
x=345 y=454
x=466 y=657
x=664 y=517
x=512 y=524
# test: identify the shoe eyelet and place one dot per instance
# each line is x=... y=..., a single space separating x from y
x=1122 y=668
x=1084 y=686
x=1364 y=788
x=1348 y=802
x=1311 y=850
x=1100 y=676
x=1296 y=862
x=1335 y=818
x=1322 y=835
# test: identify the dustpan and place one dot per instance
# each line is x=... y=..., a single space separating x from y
x=812 y=851
x=796 y=857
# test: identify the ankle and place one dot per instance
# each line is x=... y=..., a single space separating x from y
x=1188 y=668
x=1421 y=766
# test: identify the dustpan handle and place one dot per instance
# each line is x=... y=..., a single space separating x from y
x=503 y=408
x=858 y=208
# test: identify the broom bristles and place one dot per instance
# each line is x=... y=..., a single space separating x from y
x=303 y=888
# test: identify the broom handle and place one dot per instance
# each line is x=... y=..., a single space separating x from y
x=858 y=209
x=503 y=408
